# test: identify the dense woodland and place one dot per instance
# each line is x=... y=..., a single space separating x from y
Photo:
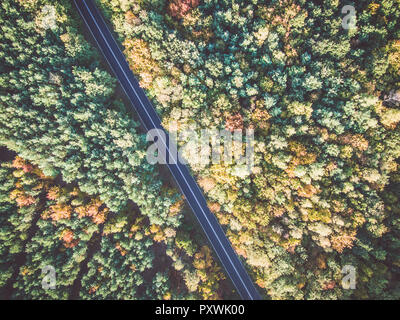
x=325 y=189
x=81 y=196
x=96 y=254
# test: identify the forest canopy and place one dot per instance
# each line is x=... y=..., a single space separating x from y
x=80 y=197
x=324 y=193
x=323 y=196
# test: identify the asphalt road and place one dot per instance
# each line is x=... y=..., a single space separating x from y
x=195 y=198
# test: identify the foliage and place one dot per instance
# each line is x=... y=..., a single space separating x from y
x=101 y=205
x=67 y=120
x=327 y=145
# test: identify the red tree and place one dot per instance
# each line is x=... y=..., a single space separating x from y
x=179 y=8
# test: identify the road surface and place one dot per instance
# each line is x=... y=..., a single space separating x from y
x=195 y=198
